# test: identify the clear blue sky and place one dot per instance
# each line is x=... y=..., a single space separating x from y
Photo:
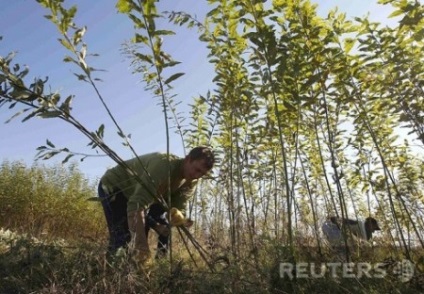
x=25 y=30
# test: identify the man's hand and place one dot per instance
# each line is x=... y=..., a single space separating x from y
x=176 y=217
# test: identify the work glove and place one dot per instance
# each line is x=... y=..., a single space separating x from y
x=177 y=218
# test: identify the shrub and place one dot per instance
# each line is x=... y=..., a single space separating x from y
x=49 y=201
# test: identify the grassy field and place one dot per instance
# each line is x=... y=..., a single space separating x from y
x=29 y=265
x=53 y=240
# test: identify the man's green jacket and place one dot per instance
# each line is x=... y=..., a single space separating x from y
x=153 y=182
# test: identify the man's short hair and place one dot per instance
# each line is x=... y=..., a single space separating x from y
x=203 y=153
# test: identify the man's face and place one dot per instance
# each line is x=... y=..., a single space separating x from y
x=194 y=169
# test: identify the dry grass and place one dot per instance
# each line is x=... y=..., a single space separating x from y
x=33 y=266
x=60 y=238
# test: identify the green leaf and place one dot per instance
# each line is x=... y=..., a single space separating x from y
x=50 y=143
x=124 y=6
x=140 y=39
x=120 y=134
x=67 y=158
x=174 y=77
x=348 y=44
x=144 y=57
x=100 y=131
x=19 y=94
x=171 y=63
x=65 y=44
x=163 y=32
x=32 y=114
x=81 y=77
x=72 y=11
x=66 y=106
x=395 y=13
x=68 y=59
x=50 y=114
x=49 y=155
x=137 y=22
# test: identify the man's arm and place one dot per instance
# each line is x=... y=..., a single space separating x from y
x=180 y=197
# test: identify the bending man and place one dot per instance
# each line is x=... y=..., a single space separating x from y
x=125 y=200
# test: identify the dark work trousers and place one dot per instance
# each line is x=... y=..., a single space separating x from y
x=115 y=209
x=156 y=215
